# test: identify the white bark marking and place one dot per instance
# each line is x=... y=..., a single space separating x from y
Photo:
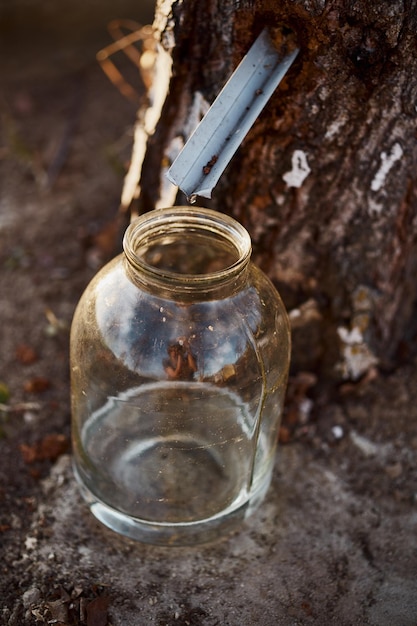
x=300 y=169
x=357 y=358
x=387 y=161
x=335 y=127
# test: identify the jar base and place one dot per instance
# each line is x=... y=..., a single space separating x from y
x=172 y=534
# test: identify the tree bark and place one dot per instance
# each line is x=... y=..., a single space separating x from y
x=325 y=181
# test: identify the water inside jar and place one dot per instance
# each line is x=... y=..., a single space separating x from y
x=171 y=452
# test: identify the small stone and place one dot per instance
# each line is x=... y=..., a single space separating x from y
x=30 y=543
x=337 y=432
x=367 y=447
x=394 y=470
x=31 y=596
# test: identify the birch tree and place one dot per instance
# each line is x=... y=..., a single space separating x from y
x=325 y=182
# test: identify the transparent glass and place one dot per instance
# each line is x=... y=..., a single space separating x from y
x=180 y=351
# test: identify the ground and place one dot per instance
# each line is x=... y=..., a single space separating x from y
x=335 y=541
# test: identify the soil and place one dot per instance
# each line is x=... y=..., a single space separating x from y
x=335 y=541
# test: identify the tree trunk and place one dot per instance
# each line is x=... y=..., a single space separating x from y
x=325 y=180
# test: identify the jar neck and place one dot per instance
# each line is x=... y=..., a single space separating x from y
x=187 y=253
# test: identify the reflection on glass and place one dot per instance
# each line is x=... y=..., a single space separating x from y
x=181 y=363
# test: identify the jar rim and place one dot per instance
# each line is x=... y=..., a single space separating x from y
x=180 y=219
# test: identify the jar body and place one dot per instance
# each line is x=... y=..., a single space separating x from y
x=177 y=391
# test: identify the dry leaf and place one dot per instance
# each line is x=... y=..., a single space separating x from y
x=37 y=385
x=26 y=355
x=97 y=611
x=49 y=449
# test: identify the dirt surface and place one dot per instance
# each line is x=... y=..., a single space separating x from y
x=335 y=541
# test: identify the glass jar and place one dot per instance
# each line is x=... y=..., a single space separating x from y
x=179 y=360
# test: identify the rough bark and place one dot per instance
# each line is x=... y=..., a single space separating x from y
x=325 y=180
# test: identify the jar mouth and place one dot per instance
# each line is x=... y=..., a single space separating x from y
x=188 y=246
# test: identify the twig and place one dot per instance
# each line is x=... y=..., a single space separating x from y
x=19 y=407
